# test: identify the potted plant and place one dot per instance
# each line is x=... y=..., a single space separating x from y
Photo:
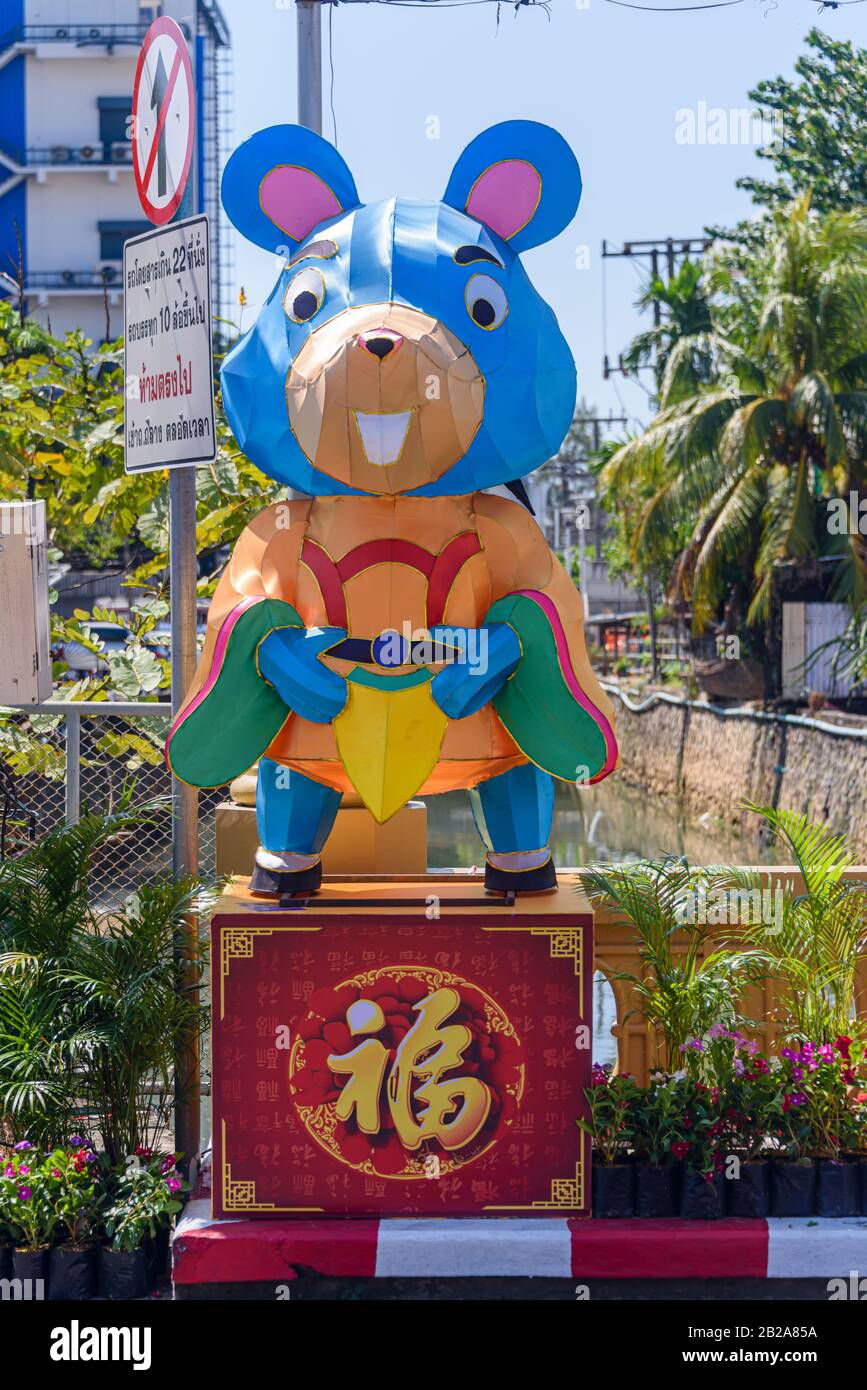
x=700 y=1148
x=658 y=1145
x=750 y=1109
x=609 y=1100
x=859 y=1141
x=72 y=1263
x=28 y=1188
x=8 y=1192
x=143 y=1196
x=831 y=1068
x=793 y=1172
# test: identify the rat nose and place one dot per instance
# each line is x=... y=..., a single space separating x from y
x=380 y=342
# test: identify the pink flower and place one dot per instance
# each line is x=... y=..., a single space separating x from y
x=25 y=1193
x=173 y=1184
x=23 y=1170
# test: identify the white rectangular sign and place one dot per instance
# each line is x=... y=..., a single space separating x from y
x=169 y=409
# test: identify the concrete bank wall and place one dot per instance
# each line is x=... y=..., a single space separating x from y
x=712 y=760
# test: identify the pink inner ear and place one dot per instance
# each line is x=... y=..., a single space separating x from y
x=505 y=196
x=296 y=199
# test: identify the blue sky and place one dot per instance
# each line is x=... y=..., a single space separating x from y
x=611 y=79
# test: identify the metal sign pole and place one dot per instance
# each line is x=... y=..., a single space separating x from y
x=309 y=35
x=183 y=572
x=177 y=367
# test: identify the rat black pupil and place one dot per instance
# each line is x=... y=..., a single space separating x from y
x=304 y=304
x=483 y=313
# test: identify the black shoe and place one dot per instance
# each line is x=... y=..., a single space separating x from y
x=287 y=883
x=537 y=880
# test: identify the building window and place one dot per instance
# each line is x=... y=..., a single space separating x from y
x=112 y=236
x=114 y=114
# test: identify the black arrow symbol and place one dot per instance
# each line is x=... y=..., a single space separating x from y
x=157 y=95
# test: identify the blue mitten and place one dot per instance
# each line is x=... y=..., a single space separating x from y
x=480 y=671
x=289 y=660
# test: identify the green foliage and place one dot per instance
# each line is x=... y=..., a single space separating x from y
x=689 y=983
x=28 y=1191
x=611 y=1101
x=143 y=1195
x=61 y=439
x=94 y=1006
x=684 y=312
x=820 y=936
x=822 y=120
x=749 y=459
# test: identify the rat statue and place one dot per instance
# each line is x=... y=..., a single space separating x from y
x=398 y=629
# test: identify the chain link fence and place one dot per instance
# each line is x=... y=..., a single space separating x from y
x=60 y=761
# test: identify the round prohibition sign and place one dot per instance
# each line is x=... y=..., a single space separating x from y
x=164 y=120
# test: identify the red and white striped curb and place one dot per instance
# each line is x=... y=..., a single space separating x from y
x=206 y=1251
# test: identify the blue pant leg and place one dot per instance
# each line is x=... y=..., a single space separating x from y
x=514 y=812
x=292 y=811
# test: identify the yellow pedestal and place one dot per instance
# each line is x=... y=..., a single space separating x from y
x=356 y=845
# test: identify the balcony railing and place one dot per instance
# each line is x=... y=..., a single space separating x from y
x=110 y=276
x=82 y=35
x=99 y=154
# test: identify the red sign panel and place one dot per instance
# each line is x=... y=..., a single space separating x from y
x=391 y=1065
x=164 y=120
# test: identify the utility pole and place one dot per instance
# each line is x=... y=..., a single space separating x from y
x=653 y=250
x=308 y=14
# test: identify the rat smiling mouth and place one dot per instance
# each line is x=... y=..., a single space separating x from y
x=382 y=435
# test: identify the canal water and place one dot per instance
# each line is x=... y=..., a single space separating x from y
x=610 y=821
x=607 y=822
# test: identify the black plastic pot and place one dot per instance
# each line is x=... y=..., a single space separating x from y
x=837 y=1188
x=613 y=1187
x=157 y=1248
x=72 y=1273
x=6 y=1261
x=655 y=1191
x=123 y=1274
x=32 y=1265
x=749 y=1194
x=701 y=1198
x=793 y=1189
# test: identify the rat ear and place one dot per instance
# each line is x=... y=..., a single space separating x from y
x=284 y=181
x=520 y=179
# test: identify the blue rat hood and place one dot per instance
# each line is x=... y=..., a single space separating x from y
x=403 y=349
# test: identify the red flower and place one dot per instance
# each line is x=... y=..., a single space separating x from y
x=842 y=1045
x=680 y=1149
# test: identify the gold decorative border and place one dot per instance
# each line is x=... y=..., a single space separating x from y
x=564 y=943
x=567 y=1194
x=237 y=943
x=239 y=1194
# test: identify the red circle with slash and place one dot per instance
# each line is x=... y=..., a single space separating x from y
x=164 y=120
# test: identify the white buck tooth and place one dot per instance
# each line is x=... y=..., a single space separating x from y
x=382 y=436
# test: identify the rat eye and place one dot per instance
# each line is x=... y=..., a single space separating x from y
x=487 y=304
x=304 y=295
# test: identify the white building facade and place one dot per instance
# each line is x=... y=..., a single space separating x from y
x=67 y=192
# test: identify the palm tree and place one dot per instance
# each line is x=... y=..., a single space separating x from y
x=681 y=310
x=753 y=455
